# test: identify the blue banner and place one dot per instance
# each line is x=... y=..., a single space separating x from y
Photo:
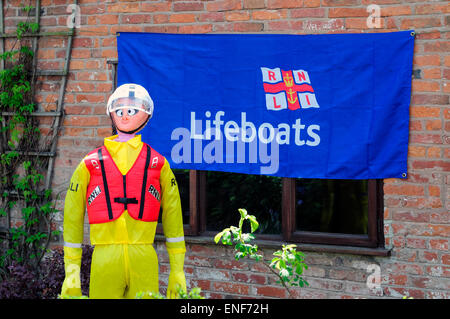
x=332 y=106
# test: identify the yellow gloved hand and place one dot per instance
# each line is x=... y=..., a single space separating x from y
x=176 y=276
x=72 y=264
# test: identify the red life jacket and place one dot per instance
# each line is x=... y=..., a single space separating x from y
x=109 y=192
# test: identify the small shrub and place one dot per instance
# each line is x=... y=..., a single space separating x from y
x=22 y=282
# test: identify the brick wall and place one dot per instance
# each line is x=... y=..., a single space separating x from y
x=416 y=215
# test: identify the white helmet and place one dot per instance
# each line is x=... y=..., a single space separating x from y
x=132 y=96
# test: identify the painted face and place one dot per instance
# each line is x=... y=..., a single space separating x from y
x=128 y=119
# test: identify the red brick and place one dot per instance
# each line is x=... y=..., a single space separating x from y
x=188 y=6
x=237 y=16
x=446 y=259
x=425 y=86
x=230 y=264
x=416 y=243
x=92 y=64
x=446 y=74
x=411 y=216
x=447 y=60
x=136 y=18
x=75 y=65
x=399 y=280
x=202 y=284
x=311 y=3
x=336 y=3
x=432 y=8
x=439 y=244
x=433 y=73
x=182 y=18
x=254 y=4
x=419 y=23
x=278 y=4
x=426 y=138
x=430 y=99
x=211 y=17
x=232 y=288
x=437 y=46
x=156 y=7
x=442 y=165
x=203 y=28
x=224 y=5
x=160 y=18
x=440 y=230
x=428 y=35
x=281 y=25
x=248 y=27
x=387 y=11
x=415 y=125
x=81 y=121
x=412 y=190
x=108 y=19
x=434 y=152
x=417 y=151
x=96 y=9
x=90 y=98
x=307 y=13
x=268 y=14
x=269 y=291
x=433 y=125
x=104 y=132
x=123 y=7
x=347 y=12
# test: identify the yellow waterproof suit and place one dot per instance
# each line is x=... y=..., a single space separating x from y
x=124 y=261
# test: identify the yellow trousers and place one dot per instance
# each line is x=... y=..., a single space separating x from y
x=123 y=271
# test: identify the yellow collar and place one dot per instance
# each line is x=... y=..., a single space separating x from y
x=114 y=146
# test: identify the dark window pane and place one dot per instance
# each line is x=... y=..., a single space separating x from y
x=332 y=206
x=182 y=177
x=259 y=195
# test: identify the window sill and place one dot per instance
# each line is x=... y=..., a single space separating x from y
x=274 y=244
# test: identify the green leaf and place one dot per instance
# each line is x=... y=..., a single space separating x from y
x=239 y=255
x=219 y=235
x=243 y=212
x=253 y=223
x=56 y=232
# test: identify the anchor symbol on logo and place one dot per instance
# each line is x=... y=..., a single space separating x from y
x=289 y=82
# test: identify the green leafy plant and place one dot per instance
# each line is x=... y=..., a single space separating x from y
x=288 y=263
x=195 y=293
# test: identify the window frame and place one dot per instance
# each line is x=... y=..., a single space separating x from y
x=374 y=238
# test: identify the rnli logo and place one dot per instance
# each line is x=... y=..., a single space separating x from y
x=95 y=164
x=94 y=195
x=152 y=190
x=288 y=89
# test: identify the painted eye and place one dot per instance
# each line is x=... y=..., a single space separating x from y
x=119 y=113
x=132 y=112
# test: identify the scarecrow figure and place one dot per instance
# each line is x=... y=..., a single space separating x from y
x=123 y=184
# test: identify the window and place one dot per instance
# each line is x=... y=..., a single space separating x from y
x=337 y=212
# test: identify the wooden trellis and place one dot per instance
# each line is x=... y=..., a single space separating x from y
x=58 y=114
